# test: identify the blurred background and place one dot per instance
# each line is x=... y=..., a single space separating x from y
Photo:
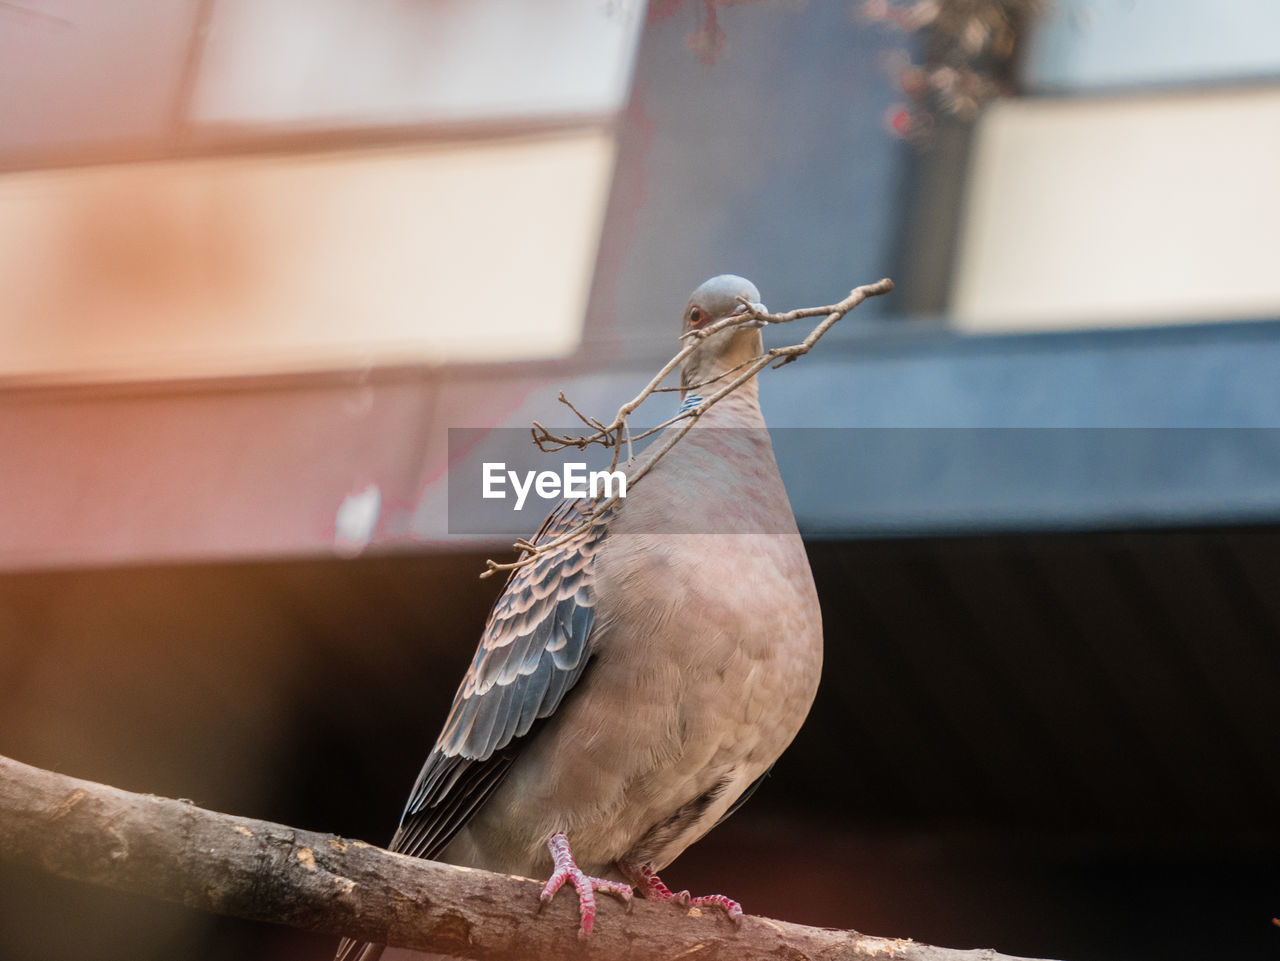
x=258 y=256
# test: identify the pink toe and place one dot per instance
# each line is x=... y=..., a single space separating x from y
x=567 y=870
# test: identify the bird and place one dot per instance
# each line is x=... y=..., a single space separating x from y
x=633 y=685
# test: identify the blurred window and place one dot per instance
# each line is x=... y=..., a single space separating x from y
x=1090 y=45
x=248 y=186
x=339 y=63
x=1136 y=184
x=89 y=81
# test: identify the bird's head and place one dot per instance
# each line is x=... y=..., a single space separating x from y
x=724 y=350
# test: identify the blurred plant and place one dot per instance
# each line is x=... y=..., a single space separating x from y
x=707 y=41
x=969 y=52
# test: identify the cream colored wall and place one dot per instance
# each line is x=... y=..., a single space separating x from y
x=1122 y=211
x=469 y=251
x=335 y=63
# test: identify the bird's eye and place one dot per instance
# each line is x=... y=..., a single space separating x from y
x=696 y=316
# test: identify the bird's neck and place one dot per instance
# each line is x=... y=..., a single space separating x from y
x=717 y=363
x=740 y=408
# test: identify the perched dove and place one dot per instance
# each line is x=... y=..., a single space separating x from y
x=634 y=685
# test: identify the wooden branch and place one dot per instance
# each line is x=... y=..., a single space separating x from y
x=175 y=851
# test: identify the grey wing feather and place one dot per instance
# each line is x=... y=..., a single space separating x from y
x=743 y=798
x=349 y=950
x=535 y=647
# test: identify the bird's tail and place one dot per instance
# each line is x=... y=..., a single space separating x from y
x=349 y=950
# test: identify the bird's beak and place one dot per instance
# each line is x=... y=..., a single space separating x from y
x=755 y=322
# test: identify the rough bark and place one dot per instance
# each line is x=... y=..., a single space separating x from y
x=175 y=851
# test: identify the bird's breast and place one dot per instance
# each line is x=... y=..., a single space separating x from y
x=707 y=652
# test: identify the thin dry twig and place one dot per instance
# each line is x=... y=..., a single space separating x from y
x=618 y=432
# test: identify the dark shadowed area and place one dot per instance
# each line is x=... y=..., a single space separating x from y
x=1052 y=745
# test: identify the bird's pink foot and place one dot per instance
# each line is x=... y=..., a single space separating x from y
x=567 y=870
x=731 y=908
x=651 y=888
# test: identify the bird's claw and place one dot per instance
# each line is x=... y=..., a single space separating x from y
x=652 y=889
x=731 y=908
x=586 y=886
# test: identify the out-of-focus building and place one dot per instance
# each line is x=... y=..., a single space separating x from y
x=258 y=257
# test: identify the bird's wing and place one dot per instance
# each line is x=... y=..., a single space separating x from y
x=535 y=647
x=743 y=798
